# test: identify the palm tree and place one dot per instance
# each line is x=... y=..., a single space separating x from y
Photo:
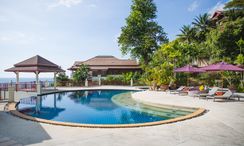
x=188 y=33
x=202 y=24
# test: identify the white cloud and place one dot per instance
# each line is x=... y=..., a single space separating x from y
x=92 y=6
x=65 y=3
x=13 y=37
x=193 y=6
x=4 y=38
x=19 y=38
x=218 y=6
x=3 y=19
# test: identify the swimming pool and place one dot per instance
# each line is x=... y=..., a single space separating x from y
x=106 y=107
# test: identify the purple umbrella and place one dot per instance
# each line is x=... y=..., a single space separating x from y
x=222 y=66
x=189 y=69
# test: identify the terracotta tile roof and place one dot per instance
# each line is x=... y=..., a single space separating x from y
x=33 y=64
x=113 y=67
x=217 y=15
x=106 y=62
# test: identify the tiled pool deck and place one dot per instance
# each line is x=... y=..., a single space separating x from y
x=223 y=124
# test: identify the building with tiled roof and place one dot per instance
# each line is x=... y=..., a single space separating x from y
x=107 y=65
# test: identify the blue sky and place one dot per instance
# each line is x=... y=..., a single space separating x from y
x=64 y=31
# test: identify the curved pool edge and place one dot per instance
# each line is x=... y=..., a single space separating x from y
x=12 y=109
x=89 y=89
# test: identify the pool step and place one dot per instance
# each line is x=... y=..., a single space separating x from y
x=165 y=111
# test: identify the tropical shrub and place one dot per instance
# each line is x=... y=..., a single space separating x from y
x=62 y=79
x=160 y=70
x=80 y=75
x=114 y=80
x=240 y=60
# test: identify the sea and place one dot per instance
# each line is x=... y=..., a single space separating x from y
x=13 y=80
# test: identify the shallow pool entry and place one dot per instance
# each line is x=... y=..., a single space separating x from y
x=97 y=107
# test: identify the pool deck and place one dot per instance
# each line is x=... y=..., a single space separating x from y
x=223 y=124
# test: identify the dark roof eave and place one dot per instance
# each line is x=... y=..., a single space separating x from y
x=28 y=70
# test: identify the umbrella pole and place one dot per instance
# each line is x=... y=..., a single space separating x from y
x=187 y=81
x=222 y=80
x=222 y=83
x=242 y=79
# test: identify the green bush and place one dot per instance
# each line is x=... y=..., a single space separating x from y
x=123 y=79
x=62 y=79
x=80 y=75
x=240 y=88
x=114 y=80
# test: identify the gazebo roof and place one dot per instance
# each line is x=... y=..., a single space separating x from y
x=33 y=64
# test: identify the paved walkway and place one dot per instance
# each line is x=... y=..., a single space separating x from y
x=6 y=141
x=222 y=125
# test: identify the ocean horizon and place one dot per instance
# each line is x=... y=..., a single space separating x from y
x=9 y=80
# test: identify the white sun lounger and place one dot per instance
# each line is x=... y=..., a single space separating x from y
x=211 y=93
x=238 y=96
x=177 y=90
x=227 y=95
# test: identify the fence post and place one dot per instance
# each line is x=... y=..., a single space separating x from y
x=55 y=81
x=11 y=90
x=86 y=82
x=99 y=80
x=131 y=82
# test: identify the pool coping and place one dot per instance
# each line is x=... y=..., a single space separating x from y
x=12 y=109
x=87 y=88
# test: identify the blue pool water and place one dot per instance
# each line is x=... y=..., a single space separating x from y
x=86 y=107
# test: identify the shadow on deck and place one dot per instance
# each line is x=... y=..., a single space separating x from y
x=21 y=131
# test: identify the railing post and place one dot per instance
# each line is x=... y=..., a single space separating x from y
x=11 y=90
x=16 y=87
x=55 y=80
x=99 y=80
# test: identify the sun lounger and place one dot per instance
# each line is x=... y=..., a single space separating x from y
x=227 y=95
x=186 y=91
x=177 y=90
x=238 y=96
x=211 y=93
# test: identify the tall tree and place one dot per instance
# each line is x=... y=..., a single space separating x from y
x=141 y=35
x=234 y=9
x=225 y=37
x=235 y=4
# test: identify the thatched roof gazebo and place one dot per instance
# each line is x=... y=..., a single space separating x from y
x=36 y=64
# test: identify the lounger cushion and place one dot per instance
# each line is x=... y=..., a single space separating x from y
x=219 y=93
